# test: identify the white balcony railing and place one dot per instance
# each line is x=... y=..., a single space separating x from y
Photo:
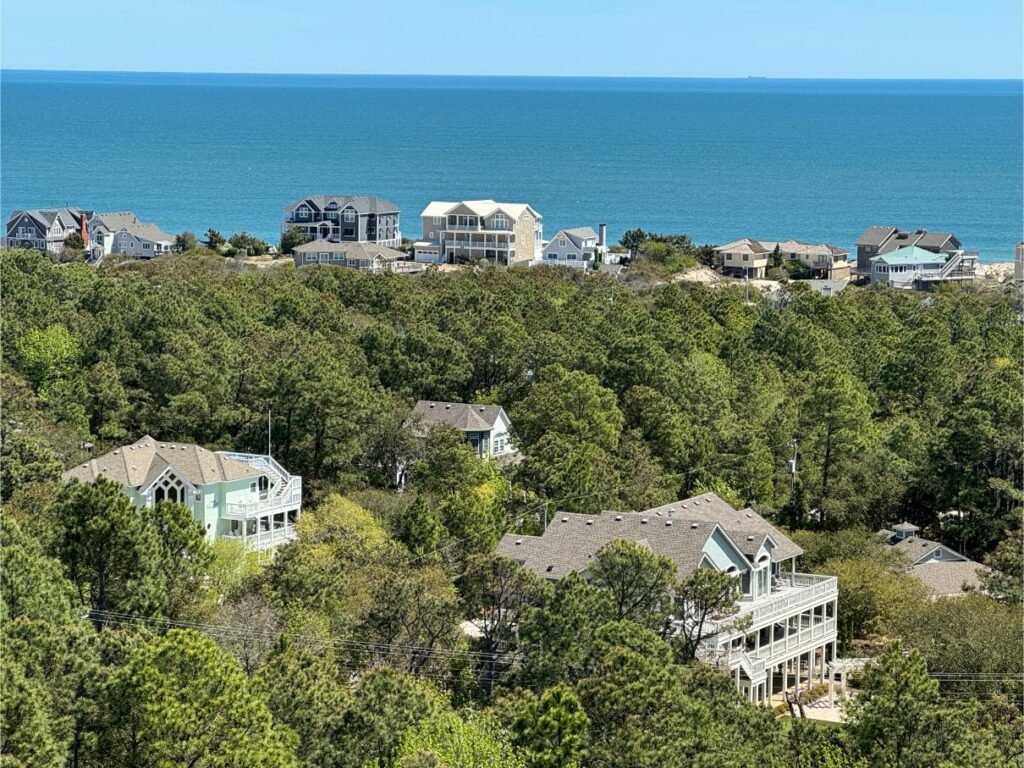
x=478 y=244
x=797 y=642
x=796 y=591
x=266 y=539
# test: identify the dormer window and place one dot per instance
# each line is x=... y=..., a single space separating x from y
x=349 y=215
x=499 y=221
x=302 y=213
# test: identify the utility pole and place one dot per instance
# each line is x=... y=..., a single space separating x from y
x=791 y=466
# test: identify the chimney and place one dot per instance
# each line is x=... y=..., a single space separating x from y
x=602 y=235
x=85 y=229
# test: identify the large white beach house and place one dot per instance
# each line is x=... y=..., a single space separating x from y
x=501 y=233
x=784 y=633
x=243 y=497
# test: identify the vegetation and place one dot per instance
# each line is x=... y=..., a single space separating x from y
x=129 y=640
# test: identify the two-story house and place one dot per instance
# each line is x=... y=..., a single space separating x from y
x=46 y=230
x=501 y=233
x=123 y=233
x=244 y=497
x=752 y=258
x=485 y=427
x=577 y=248
x=914 y=268
x=345 y=218
x=944 y=571
x=365 y=257
x=875 y=241
x=784 y=632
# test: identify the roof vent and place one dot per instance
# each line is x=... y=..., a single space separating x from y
x=433 y=404
x=618 y=518
x=550 y=568
x=708 y=499
x=643 y=521
x=750 y=538
x=693 y=525
x=668 y=522
x=116 y=452
x=590 y=522
x=749 y=515
x=696 y=503
x=518 y=542
x=565 y=519
x=447 y=407
x=685 y=506
x=483 y=408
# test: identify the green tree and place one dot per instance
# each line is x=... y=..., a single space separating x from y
x=456 y=742
x=640 y=582
x=185 y=242
x=180 y=699
x=551 y=729
x=704 y=595
x=214 y=240
x=1005 y=580
x=292 y=238
x=74 y=242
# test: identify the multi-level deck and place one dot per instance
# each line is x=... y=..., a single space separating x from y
x=776 y=640
x=269 y=519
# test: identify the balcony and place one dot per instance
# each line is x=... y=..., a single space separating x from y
x=266 y=539
x=478 y=244
x=791 y=593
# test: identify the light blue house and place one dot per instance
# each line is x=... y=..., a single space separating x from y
x=243 y=497
x=912 y=267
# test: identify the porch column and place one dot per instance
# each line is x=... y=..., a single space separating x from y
x=823 y=663
x=832 y=686
x=785 y=676
x=770 y=682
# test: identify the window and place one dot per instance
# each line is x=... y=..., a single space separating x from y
x=349 y=215
x=337 y=257
x=571 y=256
x=500 y=222
x=746 y=257
x=561 y=242
x=348 y=232
x=438 y=221
x=552 y=256
x=303 y=213
x=309 y=258
x=146 y=246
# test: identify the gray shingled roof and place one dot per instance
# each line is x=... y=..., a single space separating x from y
x=353 y=250
x=946 y=578
x=577 y=235
x=875 y=236
x=905 y=527
x=361 y=203
x=118 y=220
x=570 y=542
x=465 y=417
x=140 y=463
x=71 y=217
x=916 y=548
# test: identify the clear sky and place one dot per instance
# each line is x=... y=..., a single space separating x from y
x=665 y=38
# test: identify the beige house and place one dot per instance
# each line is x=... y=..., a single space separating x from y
x=501 y=233
x=752 y=258
x=365 y=257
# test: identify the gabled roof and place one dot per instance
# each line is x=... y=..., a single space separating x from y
x=479 y=208
x=352 y=250
x=363 y=204
x=799 y=247
x=875 y=236
x=905 y=527
x=126 y=220
x=71 y=218
x=140 y=463
x=577 y=235
x=917 y=549
x=465 y=417
x=571 y=541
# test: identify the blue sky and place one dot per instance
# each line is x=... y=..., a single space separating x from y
x=664 y=38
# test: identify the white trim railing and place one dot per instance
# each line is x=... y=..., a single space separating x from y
x=266 y=539
x=804 y=589
x=798 y=641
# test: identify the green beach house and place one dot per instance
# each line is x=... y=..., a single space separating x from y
x=243 y=497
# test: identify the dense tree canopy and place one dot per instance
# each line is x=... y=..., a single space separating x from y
x=389 y=634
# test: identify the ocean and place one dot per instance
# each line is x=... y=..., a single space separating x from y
x=817 y=160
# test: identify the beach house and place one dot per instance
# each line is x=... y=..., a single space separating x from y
x=879 y=240
x=501 y=233
x=915 y=268
x=243 y=497
x=47 y=229
x=749 y=257
x=485 y=427
x=944 y=571
x=784 y=632
x=577 y=247
x=345 y=218
x=365 y=257
x=123 y=233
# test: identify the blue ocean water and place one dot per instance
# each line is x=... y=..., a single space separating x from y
x=719 y=159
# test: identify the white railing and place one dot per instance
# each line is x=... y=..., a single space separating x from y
x=266 y=539
x=289 y=498
x=476 y=244
x=802 y=589
x=797 y=642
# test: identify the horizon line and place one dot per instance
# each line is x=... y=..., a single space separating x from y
x=539 y=77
